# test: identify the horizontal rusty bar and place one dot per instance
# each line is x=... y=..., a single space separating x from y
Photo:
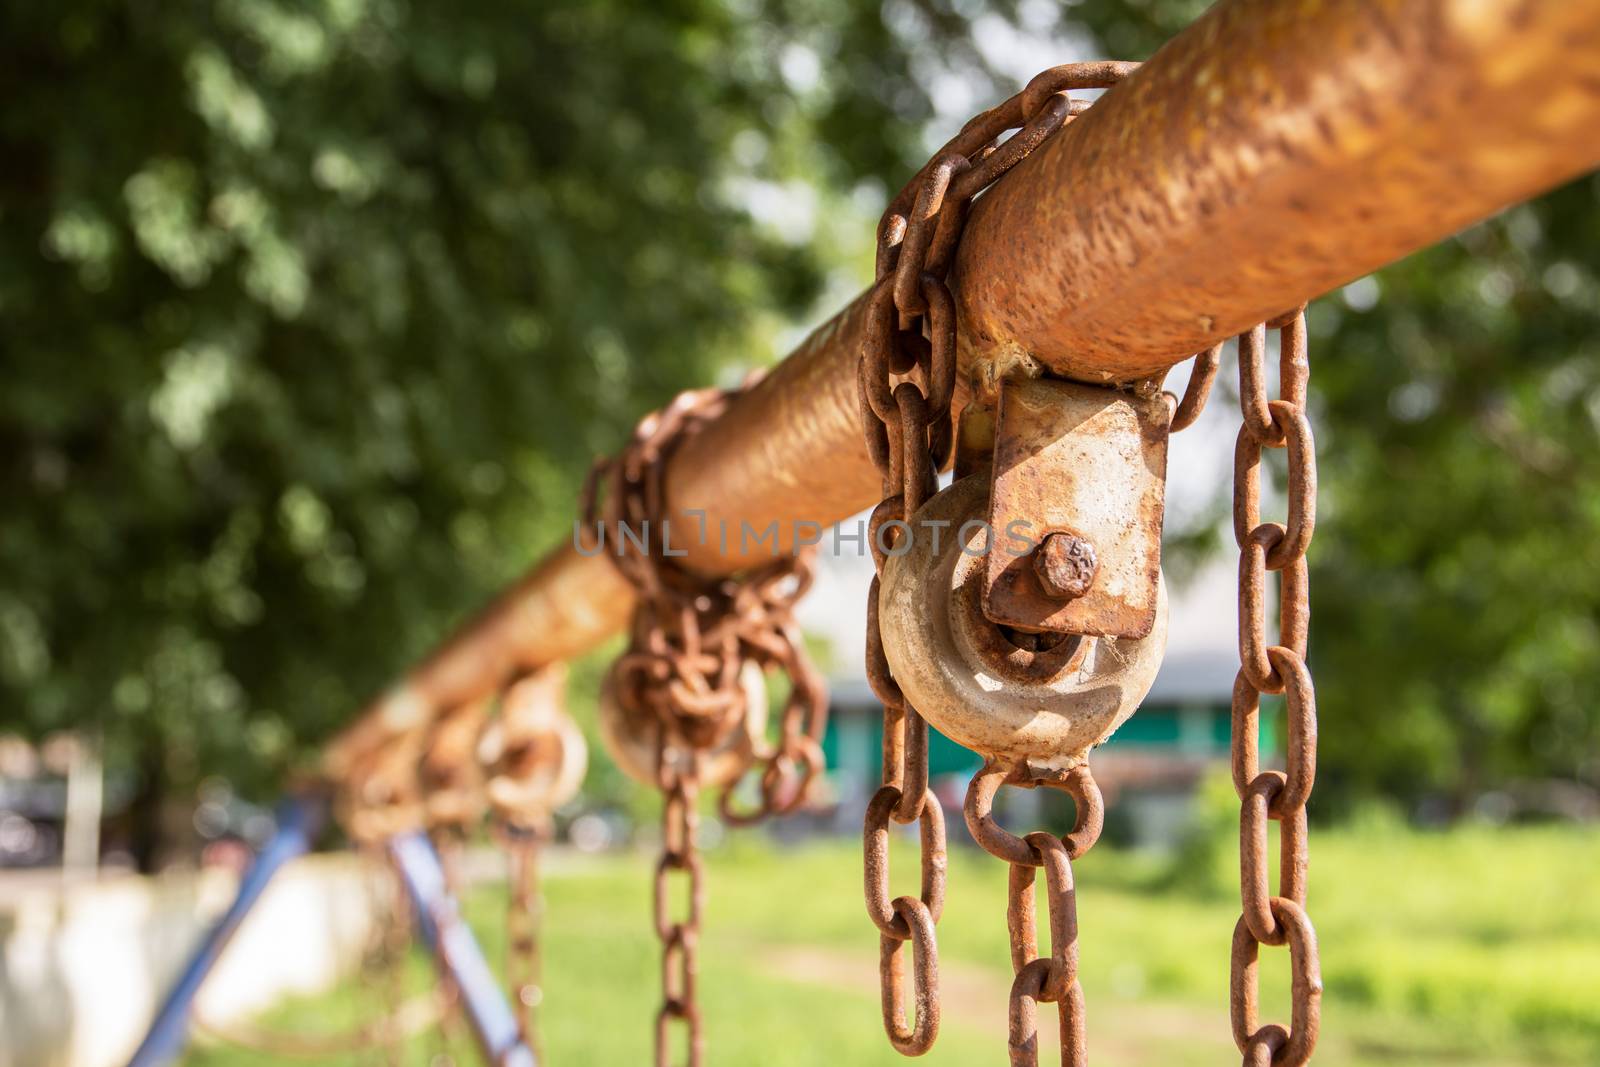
x=1270 y=152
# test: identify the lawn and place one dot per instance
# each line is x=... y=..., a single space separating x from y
x=1473 y=946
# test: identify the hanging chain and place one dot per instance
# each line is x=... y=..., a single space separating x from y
x=691 y=634
x=537 y=759
x=524 y=916
x=1202 y=375
x=383 y=794
x=518 y=794
x=686 y=677
x=680 y=938
x=691 y=637
x=1281 y=668
x=1052 y=979
x=449 y=774
x=906 y=387
x=768 y=634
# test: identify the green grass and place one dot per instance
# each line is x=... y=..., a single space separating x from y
x=1474 y=946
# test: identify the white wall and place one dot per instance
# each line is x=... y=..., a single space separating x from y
x=83 y=968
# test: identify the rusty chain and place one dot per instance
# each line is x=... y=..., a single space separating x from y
x=692 y=634
x=680 y=938
x=1281 y=668
x=383 y=795
x=524 y=915
x=451 y=781
x=771 y=637
x=449 y=774
x=906 y=388
x=519 y=765
x=691 y=638
x=538 y=759
x=1202 y=375
x=1052 y=979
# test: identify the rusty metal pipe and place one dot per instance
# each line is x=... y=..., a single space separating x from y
x=1270 y=152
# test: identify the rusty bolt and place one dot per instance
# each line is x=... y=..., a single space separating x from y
x=1065 y=564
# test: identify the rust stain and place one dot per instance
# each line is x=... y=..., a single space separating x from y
x=1084 y=461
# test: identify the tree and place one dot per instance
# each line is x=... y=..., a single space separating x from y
x=315 y=314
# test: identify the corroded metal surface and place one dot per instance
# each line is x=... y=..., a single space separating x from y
x=1084 y=461
x=1274 y=667
x=934 y=639
x=684 y=706
x=562 y=608
x=906 y=383
x=536 y=752
x=1065 y=565
x=788 y=449
x=1274 y=150
x=449 y=773
x=633 y=737
x=1269 y=153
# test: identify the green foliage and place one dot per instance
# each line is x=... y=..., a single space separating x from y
x=315 y=314
x=1456 y=582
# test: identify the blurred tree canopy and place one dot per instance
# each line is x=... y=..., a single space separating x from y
x=314 y=313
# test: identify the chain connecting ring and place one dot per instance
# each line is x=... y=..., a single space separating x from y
x=1052 y=979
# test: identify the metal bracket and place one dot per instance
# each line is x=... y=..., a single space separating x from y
x=1076 y=503
x=446 y=933
x=299 y=819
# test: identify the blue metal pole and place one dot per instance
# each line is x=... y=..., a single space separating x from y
x=447 y=934
x=299 y=819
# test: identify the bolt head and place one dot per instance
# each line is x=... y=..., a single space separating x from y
x=1065 y=564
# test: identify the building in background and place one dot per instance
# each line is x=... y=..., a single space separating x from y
x=1149 y=770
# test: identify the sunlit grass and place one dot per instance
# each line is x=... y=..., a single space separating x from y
x=1473 y=946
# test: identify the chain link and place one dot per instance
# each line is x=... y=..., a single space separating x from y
x=383 y=795
x=524 y=916
x=1270 y=795
x=680 y=938
x=691 y=637
x=449 y=774
x=904 y=919
x=763 y=605
x=522 y=839
x=537 y=758
x=905 y=384
x=1202 y=376
x=1052 y=979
